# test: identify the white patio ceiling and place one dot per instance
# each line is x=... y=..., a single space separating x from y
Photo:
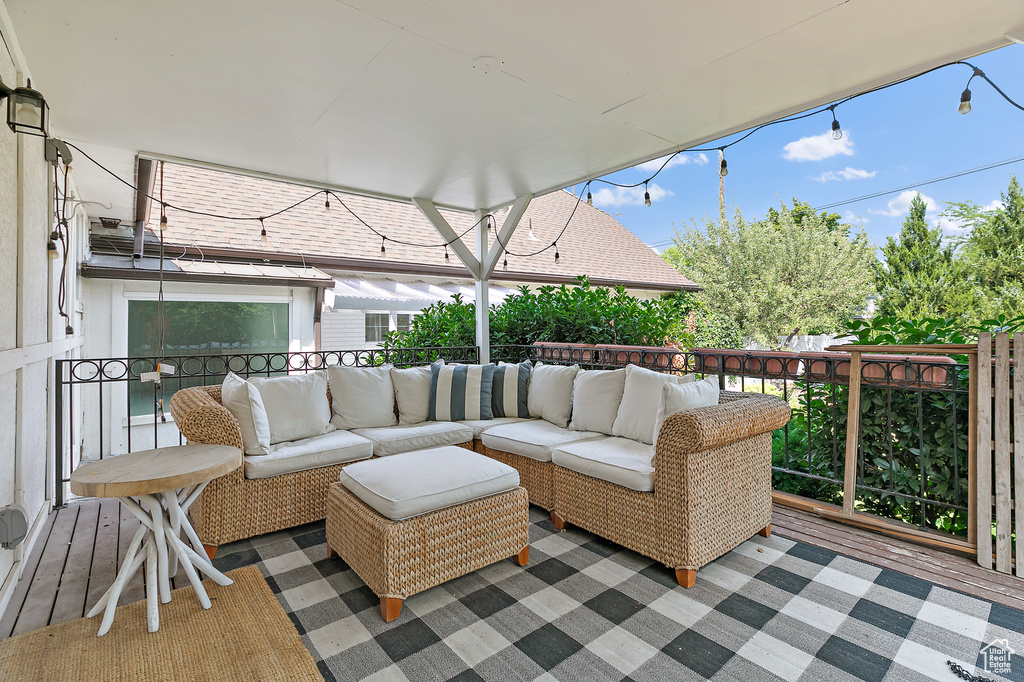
x=383 y=97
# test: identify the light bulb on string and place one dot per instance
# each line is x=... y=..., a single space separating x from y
x=555 y=244
x=837 y=131
x=263 y=231
x=55 y=236
x=383 y=250
x=163 y=222
x=504 y=264
x=327 y=202
x=590 y=198
x=51 y=250
x=965 y=101
x=446 y=259
x=647 y=196
x=723 y=168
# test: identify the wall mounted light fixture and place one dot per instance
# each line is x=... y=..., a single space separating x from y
x=27 y=111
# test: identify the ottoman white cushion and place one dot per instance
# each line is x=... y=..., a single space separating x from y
x=336 y=447
x=393 y=440
x=621 y=461
x=415 y=483
x=535 y=438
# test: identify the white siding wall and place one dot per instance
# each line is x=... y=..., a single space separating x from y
x=343 y=330
x=31 y=334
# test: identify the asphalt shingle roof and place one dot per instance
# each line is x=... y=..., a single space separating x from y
x=595 y=244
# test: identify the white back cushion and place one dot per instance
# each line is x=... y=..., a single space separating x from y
x=550 y=394
x=297 y=405
x=640 y=399
x=596 y=395
x=677 y=398
x=412 y=393
x=243 y=401
x=362 y=397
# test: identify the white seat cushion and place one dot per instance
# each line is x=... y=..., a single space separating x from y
x=392 y=440
x=535 y=438
x=481 y=425
x=621 y=461
x=415 y=483
x=336 y=447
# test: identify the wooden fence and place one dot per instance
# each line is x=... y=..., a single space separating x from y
x=1000 y=453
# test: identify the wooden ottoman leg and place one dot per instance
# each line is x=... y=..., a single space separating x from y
x=524 y=556
x=390 y=608
x=210 y=550
x=766 y=532
x=686 y=577
x=557 y=520
x=331 y=553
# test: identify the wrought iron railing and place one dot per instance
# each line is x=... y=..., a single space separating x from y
x=911 y=460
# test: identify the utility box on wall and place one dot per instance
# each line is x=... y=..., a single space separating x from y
x=13 y=526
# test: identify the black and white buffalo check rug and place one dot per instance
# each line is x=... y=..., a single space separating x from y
x=585 y=609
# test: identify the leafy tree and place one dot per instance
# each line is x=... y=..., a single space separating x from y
x=913 y=281
x=990 y=268
x=779 y=277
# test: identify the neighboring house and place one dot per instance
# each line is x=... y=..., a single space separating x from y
x=306 y=248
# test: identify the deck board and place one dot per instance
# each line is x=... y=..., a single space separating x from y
x=79 y=552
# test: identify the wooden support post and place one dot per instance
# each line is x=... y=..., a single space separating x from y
x=983 y=449
x=1018 y=457
x=852 y=429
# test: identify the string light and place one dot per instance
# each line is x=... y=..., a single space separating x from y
x=965 y=101
x=446 y=260
x=555 y=244
x=383 y=251
x=327 y=202
x=590 y=198
x=51 y=250
x=837 y=131
x=504 y=264
x=263 y=231
x=723 y=168
x=647 y=196
x=965 y=96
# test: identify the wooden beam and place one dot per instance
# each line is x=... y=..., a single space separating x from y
x=972 y=449
x=1018 y=461
x=507 y=229
x=1002 y=451
x=431 y=213
x=927 y=349
x=852 y=430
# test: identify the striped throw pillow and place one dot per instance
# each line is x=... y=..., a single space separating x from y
x=460 y=392
x=508 y=390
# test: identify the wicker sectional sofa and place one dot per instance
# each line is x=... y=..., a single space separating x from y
x=711 y=478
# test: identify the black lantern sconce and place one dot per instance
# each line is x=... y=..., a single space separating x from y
x=27 y=111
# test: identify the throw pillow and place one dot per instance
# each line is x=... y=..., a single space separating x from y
x=596 y=395
x=362 y=397
x=459 y=392
x=677 y=398
x=641 y=396
x=243 y=401
x=412 y=393
x=297 y=405
x=509 y=390
x=550 y=395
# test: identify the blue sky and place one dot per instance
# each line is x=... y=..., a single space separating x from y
x=906 y=134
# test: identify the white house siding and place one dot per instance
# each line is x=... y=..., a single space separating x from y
x=343 y=330
x=107 y=337
x=31 y=334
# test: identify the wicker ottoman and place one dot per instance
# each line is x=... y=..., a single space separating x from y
x=397 y=558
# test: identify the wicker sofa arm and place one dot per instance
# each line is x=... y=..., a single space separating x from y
x=736 y=418
x=202 y=419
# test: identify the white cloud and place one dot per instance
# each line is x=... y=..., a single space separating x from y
x=993 y=205
x=628 y=196
x=851 y=218
x=677 y=160
x=845 y=174
x=949 y=227
x=901 y=204
x=817 y=147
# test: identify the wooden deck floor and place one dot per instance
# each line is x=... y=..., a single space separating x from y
x=82 y=545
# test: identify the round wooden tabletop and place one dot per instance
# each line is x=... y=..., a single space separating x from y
x=148 y=472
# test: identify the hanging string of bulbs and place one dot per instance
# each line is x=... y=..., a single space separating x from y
x=488 y=219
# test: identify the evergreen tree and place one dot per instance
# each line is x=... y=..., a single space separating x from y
x=911 y=283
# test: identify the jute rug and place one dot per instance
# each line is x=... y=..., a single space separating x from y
x=245 y=636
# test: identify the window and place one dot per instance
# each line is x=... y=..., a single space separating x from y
x=199 y=328
x=403 y=322
x=376 y=327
